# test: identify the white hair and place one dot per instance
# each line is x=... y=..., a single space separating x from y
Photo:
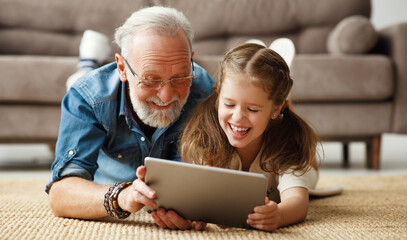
x=162 y=20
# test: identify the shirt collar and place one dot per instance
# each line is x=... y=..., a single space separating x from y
x=124 y=107
x=236 y=162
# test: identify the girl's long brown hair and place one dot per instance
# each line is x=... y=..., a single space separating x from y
x=289 y=143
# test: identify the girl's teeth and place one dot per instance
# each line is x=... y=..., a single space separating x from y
x=239 y=131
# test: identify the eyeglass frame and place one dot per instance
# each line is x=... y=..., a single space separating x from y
x=162 y=82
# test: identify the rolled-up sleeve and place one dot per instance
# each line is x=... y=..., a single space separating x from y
x=80 y=138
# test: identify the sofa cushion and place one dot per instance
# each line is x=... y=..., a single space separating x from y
x=307 y=23
x=35 y=42
x=29 y=122
x=67 y=16
x=34 y=79
x=342 y=78
x=353 y=35
x=327 y=78
x=308 y=40
x=347 y=119
x=246 y=17
x=55 y=27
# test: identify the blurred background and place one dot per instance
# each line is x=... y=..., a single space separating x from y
x=34 y=159
x=386 y=13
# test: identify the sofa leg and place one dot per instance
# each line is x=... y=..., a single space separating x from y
x=345 y=154
x=373 y=152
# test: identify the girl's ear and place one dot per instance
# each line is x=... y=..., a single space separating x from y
x=276 y=110
x=121 y=67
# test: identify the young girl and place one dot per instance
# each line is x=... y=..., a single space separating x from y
x=248 y=124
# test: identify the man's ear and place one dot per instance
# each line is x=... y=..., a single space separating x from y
x=121 y=67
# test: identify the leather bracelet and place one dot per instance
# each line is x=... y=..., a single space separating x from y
x=111 y=204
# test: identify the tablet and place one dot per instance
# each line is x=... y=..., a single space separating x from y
x=203 y=193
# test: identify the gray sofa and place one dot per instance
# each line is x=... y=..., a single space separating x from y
x=350 y=81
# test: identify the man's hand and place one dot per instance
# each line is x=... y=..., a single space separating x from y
x=174 y=221
x=137 y=195
x=266 y=217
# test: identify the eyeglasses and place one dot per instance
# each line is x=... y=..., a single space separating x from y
x=181 y=82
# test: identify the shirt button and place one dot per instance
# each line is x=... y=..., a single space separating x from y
x=70 y=153
x=143 y=139
x=119 y=155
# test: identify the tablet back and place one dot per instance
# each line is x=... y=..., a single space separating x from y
x=208 y=194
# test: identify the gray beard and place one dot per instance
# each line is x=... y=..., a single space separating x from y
x=154 y=117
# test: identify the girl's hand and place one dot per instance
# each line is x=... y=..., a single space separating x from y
x=266 y=217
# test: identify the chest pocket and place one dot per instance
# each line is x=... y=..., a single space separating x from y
x=128 y=156
x=169 y=149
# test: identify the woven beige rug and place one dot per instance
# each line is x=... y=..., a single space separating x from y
x=369 y=208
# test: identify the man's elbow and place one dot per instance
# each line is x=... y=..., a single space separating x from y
x=54 y=203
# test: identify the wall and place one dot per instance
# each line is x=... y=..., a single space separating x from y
x=388 y=12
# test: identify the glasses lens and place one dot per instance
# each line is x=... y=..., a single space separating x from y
x=150 y=84
x=181 y=82
x=176 y=83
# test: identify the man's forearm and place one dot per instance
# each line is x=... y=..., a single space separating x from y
x=76 y=197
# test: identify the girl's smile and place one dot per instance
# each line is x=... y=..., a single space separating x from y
x=239 y=131
x=244 y=111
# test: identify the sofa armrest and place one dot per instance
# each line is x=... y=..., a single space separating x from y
x=392 y=42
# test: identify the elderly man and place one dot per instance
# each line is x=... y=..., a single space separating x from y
x=116 y=115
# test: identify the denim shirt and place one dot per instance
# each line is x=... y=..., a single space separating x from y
x=99 y=139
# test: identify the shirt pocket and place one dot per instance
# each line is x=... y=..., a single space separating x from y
x=130 y=155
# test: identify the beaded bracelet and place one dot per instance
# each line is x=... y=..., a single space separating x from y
x=111 y=204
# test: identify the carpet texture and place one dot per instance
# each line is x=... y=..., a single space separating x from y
x=370 y=207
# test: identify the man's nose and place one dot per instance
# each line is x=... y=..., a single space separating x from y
x=166 y=92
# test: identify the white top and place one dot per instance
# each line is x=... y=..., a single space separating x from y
x=277 y=184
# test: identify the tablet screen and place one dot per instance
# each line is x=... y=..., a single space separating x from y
x=203 y=193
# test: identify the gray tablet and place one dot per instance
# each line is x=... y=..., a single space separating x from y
x=208 y=194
